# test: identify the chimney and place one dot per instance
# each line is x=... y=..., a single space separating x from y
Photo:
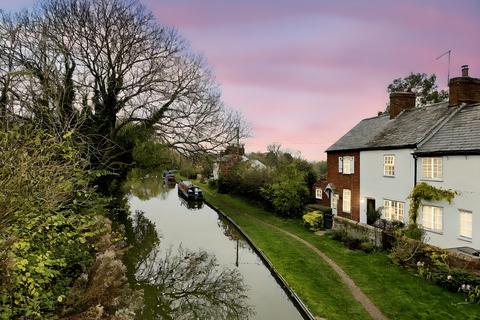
x=400 y=101
x=463 y=89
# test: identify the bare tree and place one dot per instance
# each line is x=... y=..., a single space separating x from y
x=102 y=65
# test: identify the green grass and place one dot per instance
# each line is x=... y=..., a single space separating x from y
x=397 y=292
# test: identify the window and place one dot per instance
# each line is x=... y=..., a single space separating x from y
x=318 y=193
x=393 y=210
x=346 y=165
x=389 y=166
x=432 y=168
x=465 y=224
x=432 y=218
x=347 y=200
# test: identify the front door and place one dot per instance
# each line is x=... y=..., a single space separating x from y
x=334 y=203
x=370 y=205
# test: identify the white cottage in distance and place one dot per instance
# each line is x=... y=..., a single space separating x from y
x=438 y=144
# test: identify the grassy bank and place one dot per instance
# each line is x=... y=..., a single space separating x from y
x=398 y=293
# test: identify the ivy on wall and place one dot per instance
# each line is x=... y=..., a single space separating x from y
x=424 y=191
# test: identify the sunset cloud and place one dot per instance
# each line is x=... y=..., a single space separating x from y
x=304 y=72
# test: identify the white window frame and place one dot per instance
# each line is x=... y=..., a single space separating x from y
x=346 y=164
x=432 y=168
x=389 y=165
x=428 y=223
x=465 y=216
x=318 y=193
x=347 y=201
x=394 y=210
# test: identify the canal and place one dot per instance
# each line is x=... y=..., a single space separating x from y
x=192 y=263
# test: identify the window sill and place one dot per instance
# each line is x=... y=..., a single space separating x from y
x=433 y=180
x=434 y=231
x=464 y=239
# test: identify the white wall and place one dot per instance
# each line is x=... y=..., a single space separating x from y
x=462 y=174
x=373 y=184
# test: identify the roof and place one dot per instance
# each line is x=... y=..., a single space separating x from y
x=360 y=135
x=408 y=129
x=459 y=135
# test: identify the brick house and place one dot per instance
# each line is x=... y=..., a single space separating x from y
x=438 y=144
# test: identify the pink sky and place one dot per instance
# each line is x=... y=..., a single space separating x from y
x=303 y=72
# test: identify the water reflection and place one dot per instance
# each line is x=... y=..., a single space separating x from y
x=190 y=204
x=190 y=285
x=184 y=284
x=147 y=184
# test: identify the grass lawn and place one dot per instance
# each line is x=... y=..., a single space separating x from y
x=397 y=292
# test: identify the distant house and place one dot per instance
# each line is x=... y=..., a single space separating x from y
x=322 y=192
x=232 y=155
x=438 y=144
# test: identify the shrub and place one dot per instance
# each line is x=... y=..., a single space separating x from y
x=373 y=215
x=367 y=246
x=338 y=234
x=317 y=207
x=287 y=197
x=412 y=231
x=213 y=184
x=313 y=220
x=47 y=221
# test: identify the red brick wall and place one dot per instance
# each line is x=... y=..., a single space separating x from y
x=345 y=181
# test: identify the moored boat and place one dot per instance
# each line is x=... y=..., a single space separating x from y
x=189 y=190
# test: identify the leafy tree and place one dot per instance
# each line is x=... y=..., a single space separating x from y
x=423 y=85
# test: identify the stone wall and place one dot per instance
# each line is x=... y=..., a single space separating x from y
x=359 y=229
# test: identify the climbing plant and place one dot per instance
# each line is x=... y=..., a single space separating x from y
x=424 y=191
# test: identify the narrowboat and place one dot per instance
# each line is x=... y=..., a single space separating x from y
x=169 y=177
x=189 y=190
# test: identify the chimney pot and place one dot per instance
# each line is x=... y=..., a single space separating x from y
x=465 y=70
x=400 y=101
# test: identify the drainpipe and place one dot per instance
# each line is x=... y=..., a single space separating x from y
x=415 y=170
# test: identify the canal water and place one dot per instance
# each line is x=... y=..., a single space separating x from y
x=194 y=264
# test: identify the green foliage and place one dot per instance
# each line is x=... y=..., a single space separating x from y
x=423 y=85
x=424 y=191
x=313 y=220
x=317 y=207
x=353 y=240
x=412 y=231
x=434 y=265
x=373 y=215
x=151 y=154
x=47 y=221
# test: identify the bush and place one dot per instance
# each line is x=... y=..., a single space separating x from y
x=317 y=207
x=367 y=246
x=412 y=231
x=352 y=240
x=213 y=184
x=313 y=220
x=373 y=215
x=47 y=221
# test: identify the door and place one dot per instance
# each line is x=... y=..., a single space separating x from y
x=370 y=205
x=334 y=203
